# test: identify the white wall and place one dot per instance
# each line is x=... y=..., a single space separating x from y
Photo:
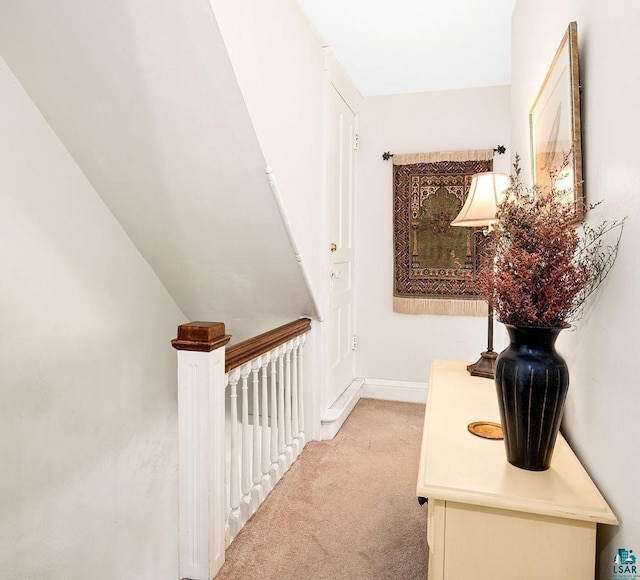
x=601 y=417
x=88 y=420
x=144 y=97
x=402 y=346
x=279 y=61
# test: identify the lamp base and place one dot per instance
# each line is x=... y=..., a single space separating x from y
x=486 y=365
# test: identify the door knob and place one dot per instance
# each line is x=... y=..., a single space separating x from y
x=334 y=247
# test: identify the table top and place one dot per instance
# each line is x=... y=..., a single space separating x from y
x=458 y=466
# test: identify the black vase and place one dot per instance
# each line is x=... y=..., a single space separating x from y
x=532 y=380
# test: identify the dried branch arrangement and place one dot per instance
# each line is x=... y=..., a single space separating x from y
x=541 y=268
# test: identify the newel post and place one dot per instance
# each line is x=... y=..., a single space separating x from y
x=201 y=420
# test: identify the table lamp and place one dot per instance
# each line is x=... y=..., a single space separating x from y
x=479 y=211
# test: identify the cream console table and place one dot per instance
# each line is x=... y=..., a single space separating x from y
x=488 y=519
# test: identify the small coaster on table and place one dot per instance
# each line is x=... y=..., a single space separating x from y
x=486 y=429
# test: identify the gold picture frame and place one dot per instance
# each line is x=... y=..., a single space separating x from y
x=554 y=122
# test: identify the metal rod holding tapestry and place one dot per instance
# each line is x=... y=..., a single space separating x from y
x=500 y=150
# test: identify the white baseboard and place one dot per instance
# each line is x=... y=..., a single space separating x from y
x=404 y=391
x=337 y=414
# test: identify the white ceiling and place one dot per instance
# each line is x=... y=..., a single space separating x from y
x=408 y=46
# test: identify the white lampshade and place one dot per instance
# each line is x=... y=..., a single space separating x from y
x=486 y=192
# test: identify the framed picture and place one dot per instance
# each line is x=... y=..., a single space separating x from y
x=556 y=144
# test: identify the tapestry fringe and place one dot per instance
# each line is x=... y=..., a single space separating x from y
x=475 y=155
x=440 y=306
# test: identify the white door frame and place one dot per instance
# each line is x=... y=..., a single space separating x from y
x=335 y=79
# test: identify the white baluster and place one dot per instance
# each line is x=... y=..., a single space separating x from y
x=273 y=470
x=294 y=398
x=266 y=478
x=234 y=517
x=301 y=434
x=256 y=491
x=282 y=458
x=245 y=504
x=287 y=405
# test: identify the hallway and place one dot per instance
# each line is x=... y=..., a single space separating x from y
x=347 y=508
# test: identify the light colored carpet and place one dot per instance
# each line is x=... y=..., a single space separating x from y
x=346 y=509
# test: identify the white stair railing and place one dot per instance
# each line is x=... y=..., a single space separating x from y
x=232 y=456
x=271 y=418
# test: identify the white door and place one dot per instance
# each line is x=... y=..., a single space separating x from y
x=341 y=180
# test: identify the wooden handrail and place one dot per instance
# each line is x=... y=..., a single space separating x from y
x=247 y=350
x=277 y=196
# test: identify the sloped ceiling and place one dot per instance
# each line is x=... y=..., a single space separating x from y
x=144 y=97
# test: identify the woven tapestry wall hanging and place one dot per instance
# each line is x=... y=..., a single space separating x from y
x=435 y=264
